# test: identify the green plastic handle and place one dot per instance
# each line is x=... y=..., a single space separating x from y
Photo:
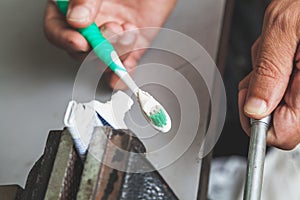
x=101 y=46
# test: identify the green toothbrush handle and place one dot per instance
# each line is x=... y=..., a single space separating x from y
x=102 y=47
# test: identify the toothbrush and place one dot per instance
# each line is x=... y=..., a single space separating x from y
x=153 y=111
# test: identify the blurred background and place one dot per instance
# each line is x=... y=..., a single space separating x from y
x=246 y=24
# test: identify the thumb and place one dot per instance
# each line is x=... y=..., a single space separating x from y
x=272 y=69
x=82 y=13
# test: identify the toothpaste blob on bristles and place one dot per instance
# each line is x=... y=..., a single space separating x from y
x=154 y=112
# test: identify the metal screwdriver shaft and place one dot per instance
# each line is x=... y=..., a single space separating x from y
x=256 y=158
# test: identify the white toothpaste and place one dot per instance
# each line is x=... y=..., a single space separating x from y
x=81 y=118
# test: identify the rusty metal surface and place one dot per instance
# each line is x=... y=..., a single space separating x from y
x=147 y=185
x=113 y=183
x=110 y=179
x=9 y=192
x=72 y=177
x=38 y=177
x=92 y=167
x=108 y=182
x=60 y=173
x=56 y=175
x=65 y=176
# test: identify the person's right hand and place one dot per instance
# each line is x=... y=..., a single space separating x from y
x=113 y=17
x=273 y=86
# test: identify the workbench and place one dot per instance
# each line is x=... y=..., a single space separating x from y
x=37 y=80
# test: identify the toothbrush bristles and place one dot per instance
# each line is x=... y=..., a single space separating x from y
x=158 y=116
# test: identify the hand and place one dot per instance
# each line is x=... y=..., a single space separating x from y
x=273 y=86
x=115 y=18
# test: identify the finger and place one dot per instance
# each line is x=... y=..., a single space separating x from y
x=292 y=98
x=82 y=13
x=130 y=64
x=245 y=121
x=131 y=60
x=122 y=37
x=130 y=34
x=116 y=83
x=60 y=33
x=114 y=80
x=254 y=51
x=126 y=41
x=297 y=58
x=244 y=84
x=111 y=31
x=79 y=56
x=272 y=69
x=286 y=132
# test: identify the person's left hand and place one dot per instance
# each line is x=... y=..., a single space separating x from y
x=113 y=17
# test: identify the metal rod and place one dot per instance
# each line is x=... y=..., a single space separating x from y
x=256 y=158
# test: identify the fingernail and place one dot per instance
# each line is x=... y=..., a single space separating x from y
x=127 y=39
x=255 y=106
x=109 y=35
x=79 y=14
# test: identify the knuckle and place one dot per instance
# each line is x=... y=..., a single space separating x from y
x=286 y=143
x=298 y=64
x=254 y=52
x=281 y=16
x=266 y=68
x=288 y=140
x=71 y=44
x=253 y=49
x=240 y=86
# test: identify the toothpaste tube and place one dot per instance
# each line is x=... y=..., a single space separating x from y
x=82 y=118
